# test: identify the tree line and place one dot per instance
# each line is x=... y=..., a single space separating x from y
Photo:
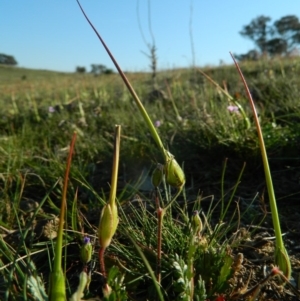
x=6 y=59
x=280 y=38
x=96 y=69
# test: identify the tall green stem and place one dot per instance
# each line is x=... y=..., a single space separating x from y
x=59 y=241
x=131 y=90
x=57 y=288
x=115 y=167
x=109 y=216
x=281 y=255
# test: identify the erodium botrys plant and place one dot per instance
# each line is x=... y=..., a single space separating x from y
x=281 y=256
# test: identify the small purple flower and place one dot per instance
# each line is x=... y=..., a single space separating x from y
x=86 y=240
x=157 y=123
x=233 y=109
x=51 y=109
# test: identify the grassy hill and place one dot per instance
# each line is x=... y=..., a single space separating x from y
x=194 y=117
x=210 y=130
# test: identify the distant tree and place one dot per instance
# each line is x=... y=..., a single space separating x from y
x=279 y=38
x=288 y=28
x=7 y=60
x=108 y=71
x=80 y=69
x=276 y=46
x=94 y=69
x=100 y=69
x=251 y=55
x=258 y=31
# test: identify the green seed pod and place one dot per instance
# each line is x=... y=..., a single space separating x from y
x=283 y=261
x=86 y=250
x=174 y=173
x=108 y=224
x=157 y=175
x=196 y=223
x=83 y=280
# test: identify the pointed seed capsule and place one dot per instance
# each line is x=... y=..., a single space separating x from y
x=108 y=224
x=283 y=261
x=174 y=173
x=196 y=223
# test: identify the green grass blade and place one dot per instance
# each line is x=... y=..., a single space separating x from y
x=147 y=264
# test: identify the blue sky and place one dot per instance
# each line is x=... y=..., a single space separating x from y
x=54 y=35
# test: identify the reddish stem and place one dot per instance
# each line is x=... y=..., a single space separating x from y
x=101 y=260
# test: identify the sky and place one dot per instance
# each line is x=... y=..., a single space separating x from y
x=53 y=34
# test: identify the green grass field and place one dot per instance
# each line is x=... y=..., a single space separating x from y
x=199 y=123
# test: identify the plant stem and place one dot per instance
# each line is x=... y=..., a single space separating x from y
x=101 y=260
x=57 y=288
x=131 y=90
x=115 y=167
x=59 y=241
x=281 y=256
x=109 y=217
